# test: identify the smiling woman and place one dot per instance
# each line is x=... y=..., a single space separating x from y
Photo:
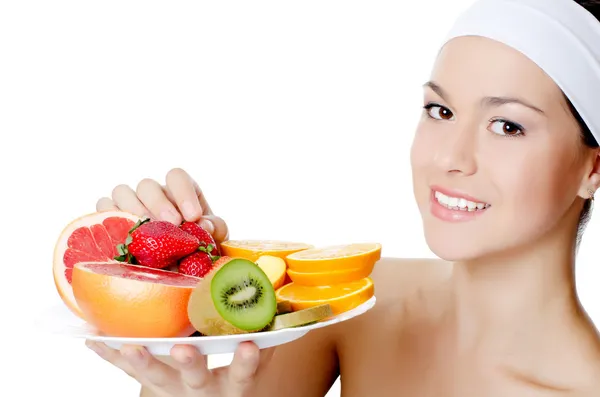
x=505 y=163
x=502 y=130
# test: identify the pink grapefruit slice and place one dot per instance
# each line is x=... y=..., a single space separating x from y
x=90 y=238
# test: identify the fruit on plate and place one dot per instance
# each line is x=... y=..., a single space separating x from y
x=156 y=244
x=92 y=237
x=341 y=297
x=301 y=317
x=126 y=300
x=334 y=258
x=283 y=307
x=330 y=277
x=199 y=263
x=253 y=249
x=236 y=297
x=274 y=267
x=204 y=237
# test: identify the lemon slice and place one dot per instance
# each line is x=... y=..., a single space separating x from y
x=335 y=258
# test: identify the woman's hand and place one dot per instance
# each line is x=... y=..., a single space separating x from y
x=185 y=372
x=179 y=199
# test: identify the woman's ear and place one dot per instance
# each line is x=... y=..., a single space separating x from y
x=591 y=181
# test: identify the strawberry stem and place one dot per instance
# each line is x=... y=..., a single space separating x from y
x=208 y=250
x=124 y=255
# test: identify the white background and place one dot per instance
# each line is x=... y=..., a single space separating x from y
x=296 y=118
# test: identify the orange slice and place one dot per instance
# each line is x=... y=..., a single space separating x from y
x=253 y=249
x=341 y=297
x=335 y=258
x=330 y=278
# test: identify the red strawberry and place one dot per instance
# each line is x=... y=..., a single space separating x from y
x=202 y=235
x=156 y=244
x=198 y=264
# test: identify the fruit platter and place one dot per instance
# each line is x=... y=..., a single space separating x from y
x=129 y=280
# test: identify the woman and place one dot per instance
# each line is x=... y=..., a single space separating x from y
x=504 y=170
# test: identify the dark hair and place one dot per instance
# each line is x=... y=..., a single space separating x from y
x=593 y=7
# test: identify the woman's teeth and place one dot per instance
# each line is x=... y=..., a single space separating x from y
x=459 y=204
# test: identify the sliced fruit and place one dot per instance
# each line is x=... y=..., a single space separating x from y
x=301 y=317
x=235 y=298
x=92 y=237
x=330 y=278
x=341 y=297
x=334 y=258
x=284 y=307
x=253 y=249
x=127 y=300
x=275 y=269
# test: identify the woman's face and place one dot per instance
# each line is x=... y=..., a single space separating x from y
x=497 y=158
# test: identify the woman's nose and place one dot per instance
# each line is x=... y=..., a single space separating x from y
x=456 y=153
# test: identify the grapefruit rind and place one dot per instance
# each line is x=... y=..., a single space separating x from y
x=63 y=287
x=125 y=300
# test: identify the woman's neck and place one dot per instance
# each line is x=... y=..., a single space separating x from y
x=514 y=295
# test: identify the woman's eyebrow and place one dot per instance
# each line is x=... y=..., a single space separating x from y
x=498 y=101
x=435 y=87
x=487 y=101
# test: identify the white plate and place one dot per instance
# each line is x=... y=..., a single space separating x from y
x=59 y=320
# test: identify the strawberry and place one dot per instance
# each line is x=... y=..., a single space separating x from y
x=202 y=235
x=197 y=264
x=200 y=263
x=156 y=244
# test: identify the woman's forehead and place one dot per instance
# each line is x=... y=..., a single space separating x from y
x=469 y=68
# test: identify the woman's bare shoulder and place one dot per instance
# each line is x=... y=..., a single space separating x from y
x=403 y=286
x=396 y=277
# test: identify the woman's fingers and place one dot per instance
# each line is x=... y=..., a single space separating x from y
x=183 y=193
x=111 y=355
x=192 y=366
x=215 y=226
x=127 y=200
x=106 y=204
x=152 y=196
x=149 y=370
x=243 y=368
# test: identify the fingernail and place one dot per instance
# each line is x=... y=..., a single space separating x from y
x=185 y=359
x=188 y=209
x=207 y=225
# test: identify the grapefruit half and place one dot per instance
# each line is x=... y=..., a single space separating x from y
x=90 y=238
x=125 y=300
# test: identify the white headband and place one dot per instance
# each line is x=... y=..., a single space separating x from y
x=560 y=36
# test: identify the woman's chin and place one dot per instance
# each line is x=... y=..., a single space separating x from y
x=455 y=248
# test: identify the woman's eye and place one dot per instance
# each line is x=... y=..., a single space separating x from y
x=503 y=127
x=438 y=112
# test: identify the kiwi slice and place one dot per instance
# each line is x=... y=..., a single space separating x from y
x=284 y=307
x=301 y=317
x=235 y=298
